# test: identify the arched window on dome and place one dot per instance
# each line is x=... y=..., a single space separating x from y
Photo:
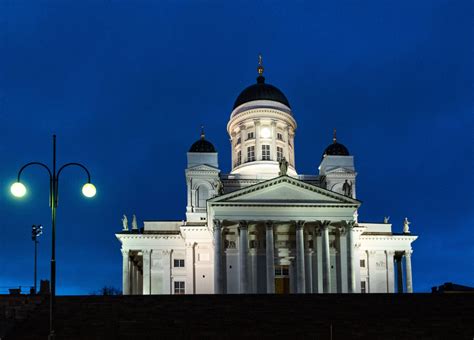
x=202 y=195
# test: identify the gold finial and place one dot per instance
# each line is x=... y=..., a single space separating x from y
x=260 y=65
x=202 y=132
x=334 y=137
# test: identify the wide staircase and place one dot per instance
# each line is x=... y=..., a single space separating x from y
x=322 y=316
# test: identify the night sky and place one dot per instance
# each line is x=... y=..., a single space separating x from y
x=127 y=84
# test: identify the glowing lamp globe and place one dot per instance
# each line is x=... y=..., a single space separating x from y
x=89 y=190
x=265 y=132
x=18 y=189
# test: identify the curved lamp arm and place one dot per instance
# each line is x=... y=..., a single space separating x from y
x=35 y=163
x=76 y=164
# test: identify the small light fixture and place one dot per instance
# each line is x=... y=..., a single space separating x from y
x=89 y=190
x=18 y=189
x=265 y=132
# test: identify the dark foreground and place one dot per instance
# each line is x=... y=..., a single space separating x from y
x=371 y=316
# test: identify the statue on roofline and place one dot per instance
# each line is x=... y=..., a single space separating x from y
x=219 y=187
x=125 y=223
x=347 y=188
x=406 y=226
x=134 y=223
x=283 y=167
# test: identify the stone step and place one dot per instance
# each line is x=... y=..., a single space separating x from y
x=380 y=316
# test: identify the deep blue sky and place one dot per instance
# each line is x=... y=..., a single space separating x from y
x=126 y=84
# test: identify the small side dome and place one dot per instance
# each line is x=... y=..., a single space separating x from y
x=335 y=149
x=202 y=145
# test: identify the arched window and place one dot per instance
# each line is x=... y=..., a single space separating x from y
x=203 y=195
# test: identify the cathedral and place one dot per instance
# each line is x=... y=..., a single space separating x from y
x=264 y=227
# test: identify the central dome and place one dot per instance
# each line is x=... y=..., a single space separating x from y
x=261 y=91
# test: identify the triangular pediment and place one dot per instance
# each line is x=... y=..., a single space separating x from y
x=285 y=189
x=202 y=167
x=340 y=170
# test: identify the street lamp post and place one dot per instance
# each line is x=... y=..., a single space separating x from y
x=36 y=231
x=19 y=190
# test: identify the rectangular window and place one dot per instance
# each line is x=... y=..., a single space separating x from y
x=250 y=135
x=265 y=152
x=363 y=287
x=279 y=136
x=179 y=287
x=178 y=263
x=251 y=153
x=281 y=271
x=239 y=158
x=279 y=153
x=362 y=263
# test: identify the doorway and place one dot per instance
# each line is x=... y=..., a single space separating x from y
x=282 y=280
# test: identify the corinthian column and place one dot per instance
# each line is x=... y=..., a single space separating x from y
x=350 y=257
x=243 y=256
x=146 y=272
x=270 y=256
x=125 y=272
x=326 y=259
x=300 y=274
x=217 y=257
x=398 y=260
x=409 y=280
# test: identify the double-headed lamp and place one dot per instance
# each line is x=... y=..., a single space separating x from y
x=89 y=190
x=18 y=189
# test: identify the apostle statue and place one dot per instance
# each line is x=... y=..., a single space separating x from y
x=219 y=187
x=125 y=223
x=347 y=188
x=134 y=223
x=386 y=219
x=283 y=167
x=406 y=226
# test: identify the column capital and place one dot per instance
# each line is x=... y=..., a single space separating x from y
x=256 y=121
x=348 y=223
x=269 y=224
x=300 y=224
x=343 y=230
x=322 y=225
x=217 y=224
x=125 y=252
x=243 y=224
x=146 y=252
x=408 y=252
x=189 y=244
x=390 y=252
x=274 y=122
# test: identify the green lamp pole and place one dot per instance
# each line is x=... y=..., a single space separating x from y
x=19 y=190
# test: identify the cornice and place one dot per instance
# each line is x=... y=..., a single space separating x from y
x=148 y=237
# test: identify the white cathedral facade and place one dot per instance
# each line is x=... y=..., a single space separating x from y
x=265 y=228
